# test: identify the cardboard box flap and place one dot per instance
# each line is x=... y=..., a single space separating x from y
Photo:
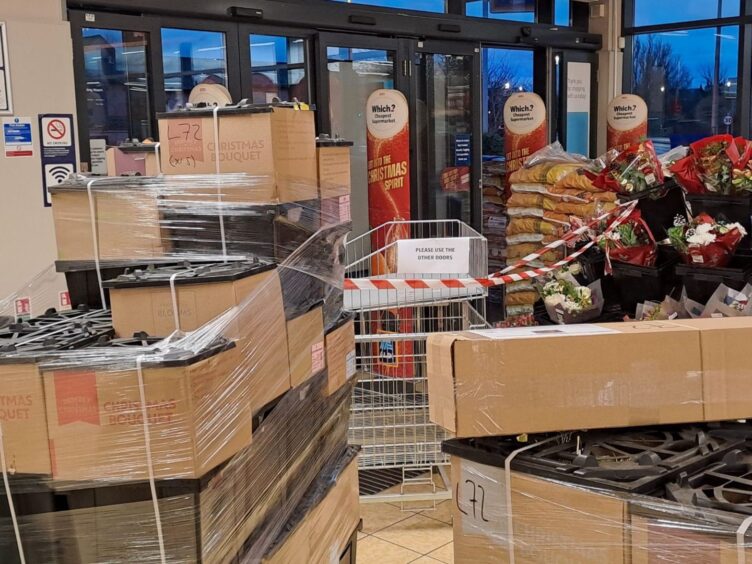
x=442 y=407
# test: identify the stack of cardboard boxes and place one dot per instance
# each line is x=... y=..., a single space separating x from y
x=536 y=383
x=212 y=416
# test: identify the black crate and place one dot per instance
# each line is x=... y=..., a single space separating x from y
x=700 y=282
x=731 y=208
x=638 y=284
x=593 y=264
x=659 y=208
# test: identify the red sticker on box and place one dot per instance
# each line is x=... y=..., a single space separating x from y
x=76 y=397
x=23 y=307
x=318 y=361
x=185 y=141
x=64 y=299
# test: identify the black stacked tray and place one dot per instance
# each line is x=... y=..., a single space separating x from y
x=637 y=284
x=701 y=281
x=660 y=206
x=631 y=460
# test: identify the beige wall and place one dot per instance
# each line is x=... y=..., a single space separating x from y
x=39 y=47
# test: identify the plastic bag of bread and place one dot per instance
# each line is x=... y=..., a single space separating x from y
x=559 y=171
x=545 y=161
x=531 y=238
x=519 y=225
x=573 y=194
x=580 y=179
x=533 y=174
x=525 y=200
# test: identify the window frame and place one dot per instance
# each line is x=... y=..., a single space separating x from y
x=743 y=118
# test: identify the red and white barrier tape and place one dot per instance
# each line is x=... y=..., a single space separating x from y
x=501 y=277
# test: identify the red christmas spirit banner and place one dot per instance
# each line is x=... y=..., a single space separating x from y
x=627 y=121
x=525 y=128
x=387 y=124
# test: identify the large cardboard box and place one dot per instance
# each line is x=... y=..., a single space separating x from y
x=324 y=521
x=340 y=353
x=536 y=380
x=305 y=341
x=23 y=417
x=203 y=520
x=550 y=521
x=727 y=371
x=127 y=223
x=333 y=158
x=275 y=144
x=143 y=304
x=197 y=405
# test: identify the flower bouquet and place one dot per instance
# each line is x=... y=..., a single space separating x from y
x=727 y=302
x=705 y=241
x=668 y=309
x=632 y=171
x=568 y=302
x=631 y=242
x=716 y=165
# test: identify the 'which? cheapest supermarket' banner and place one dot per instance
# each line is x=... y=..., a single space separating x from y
x=387 y=123
x=627 y=121
x=525 y=128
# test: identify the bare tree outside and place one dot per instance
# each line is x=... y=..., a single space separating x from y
x=657 y=68
x=503 y=77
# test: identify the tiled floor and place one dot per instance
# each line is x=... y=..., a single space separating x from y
x=393 y=536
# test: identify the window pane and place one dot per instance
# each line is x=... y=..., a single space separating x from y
x=688 y=79
x=278 y=65
x=562 y=12
x=516 y=10
x=353 y=75
x=504 y=71
x=190 y=58
x=651 y=12
x=420 y=5
x=117 y=84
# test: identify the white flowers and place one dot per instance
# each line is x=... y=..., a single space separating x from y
x=583 y=293
x=702 y=235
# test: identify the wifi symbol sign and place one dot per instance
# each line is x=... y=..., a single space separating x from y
x=57 y=173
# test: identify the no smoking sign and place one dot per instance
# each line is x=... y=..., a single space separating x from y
x=56 y=132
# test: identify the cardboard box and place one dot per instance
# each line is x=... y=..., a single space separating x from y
x=127 y=223
x=336 y=210
x=132 y=162
x=543 y=379
x=203 y=520
x=551 y=522
x=340 y=353
x=323 y=523
x=662 y=539
x=276 y=144
x=727 y=371
x=305 y=342
x=23 y=418
x=198 y=408
x=139 y=304
x=333 y=159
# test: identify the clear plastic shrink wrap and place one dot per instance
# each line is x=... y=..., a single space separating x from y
x=90 y=424
x=187 y=423
x=673 y=495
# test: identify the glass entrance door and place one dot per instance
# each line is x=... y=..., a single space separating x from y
x=447 y=111
x=351 y=68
